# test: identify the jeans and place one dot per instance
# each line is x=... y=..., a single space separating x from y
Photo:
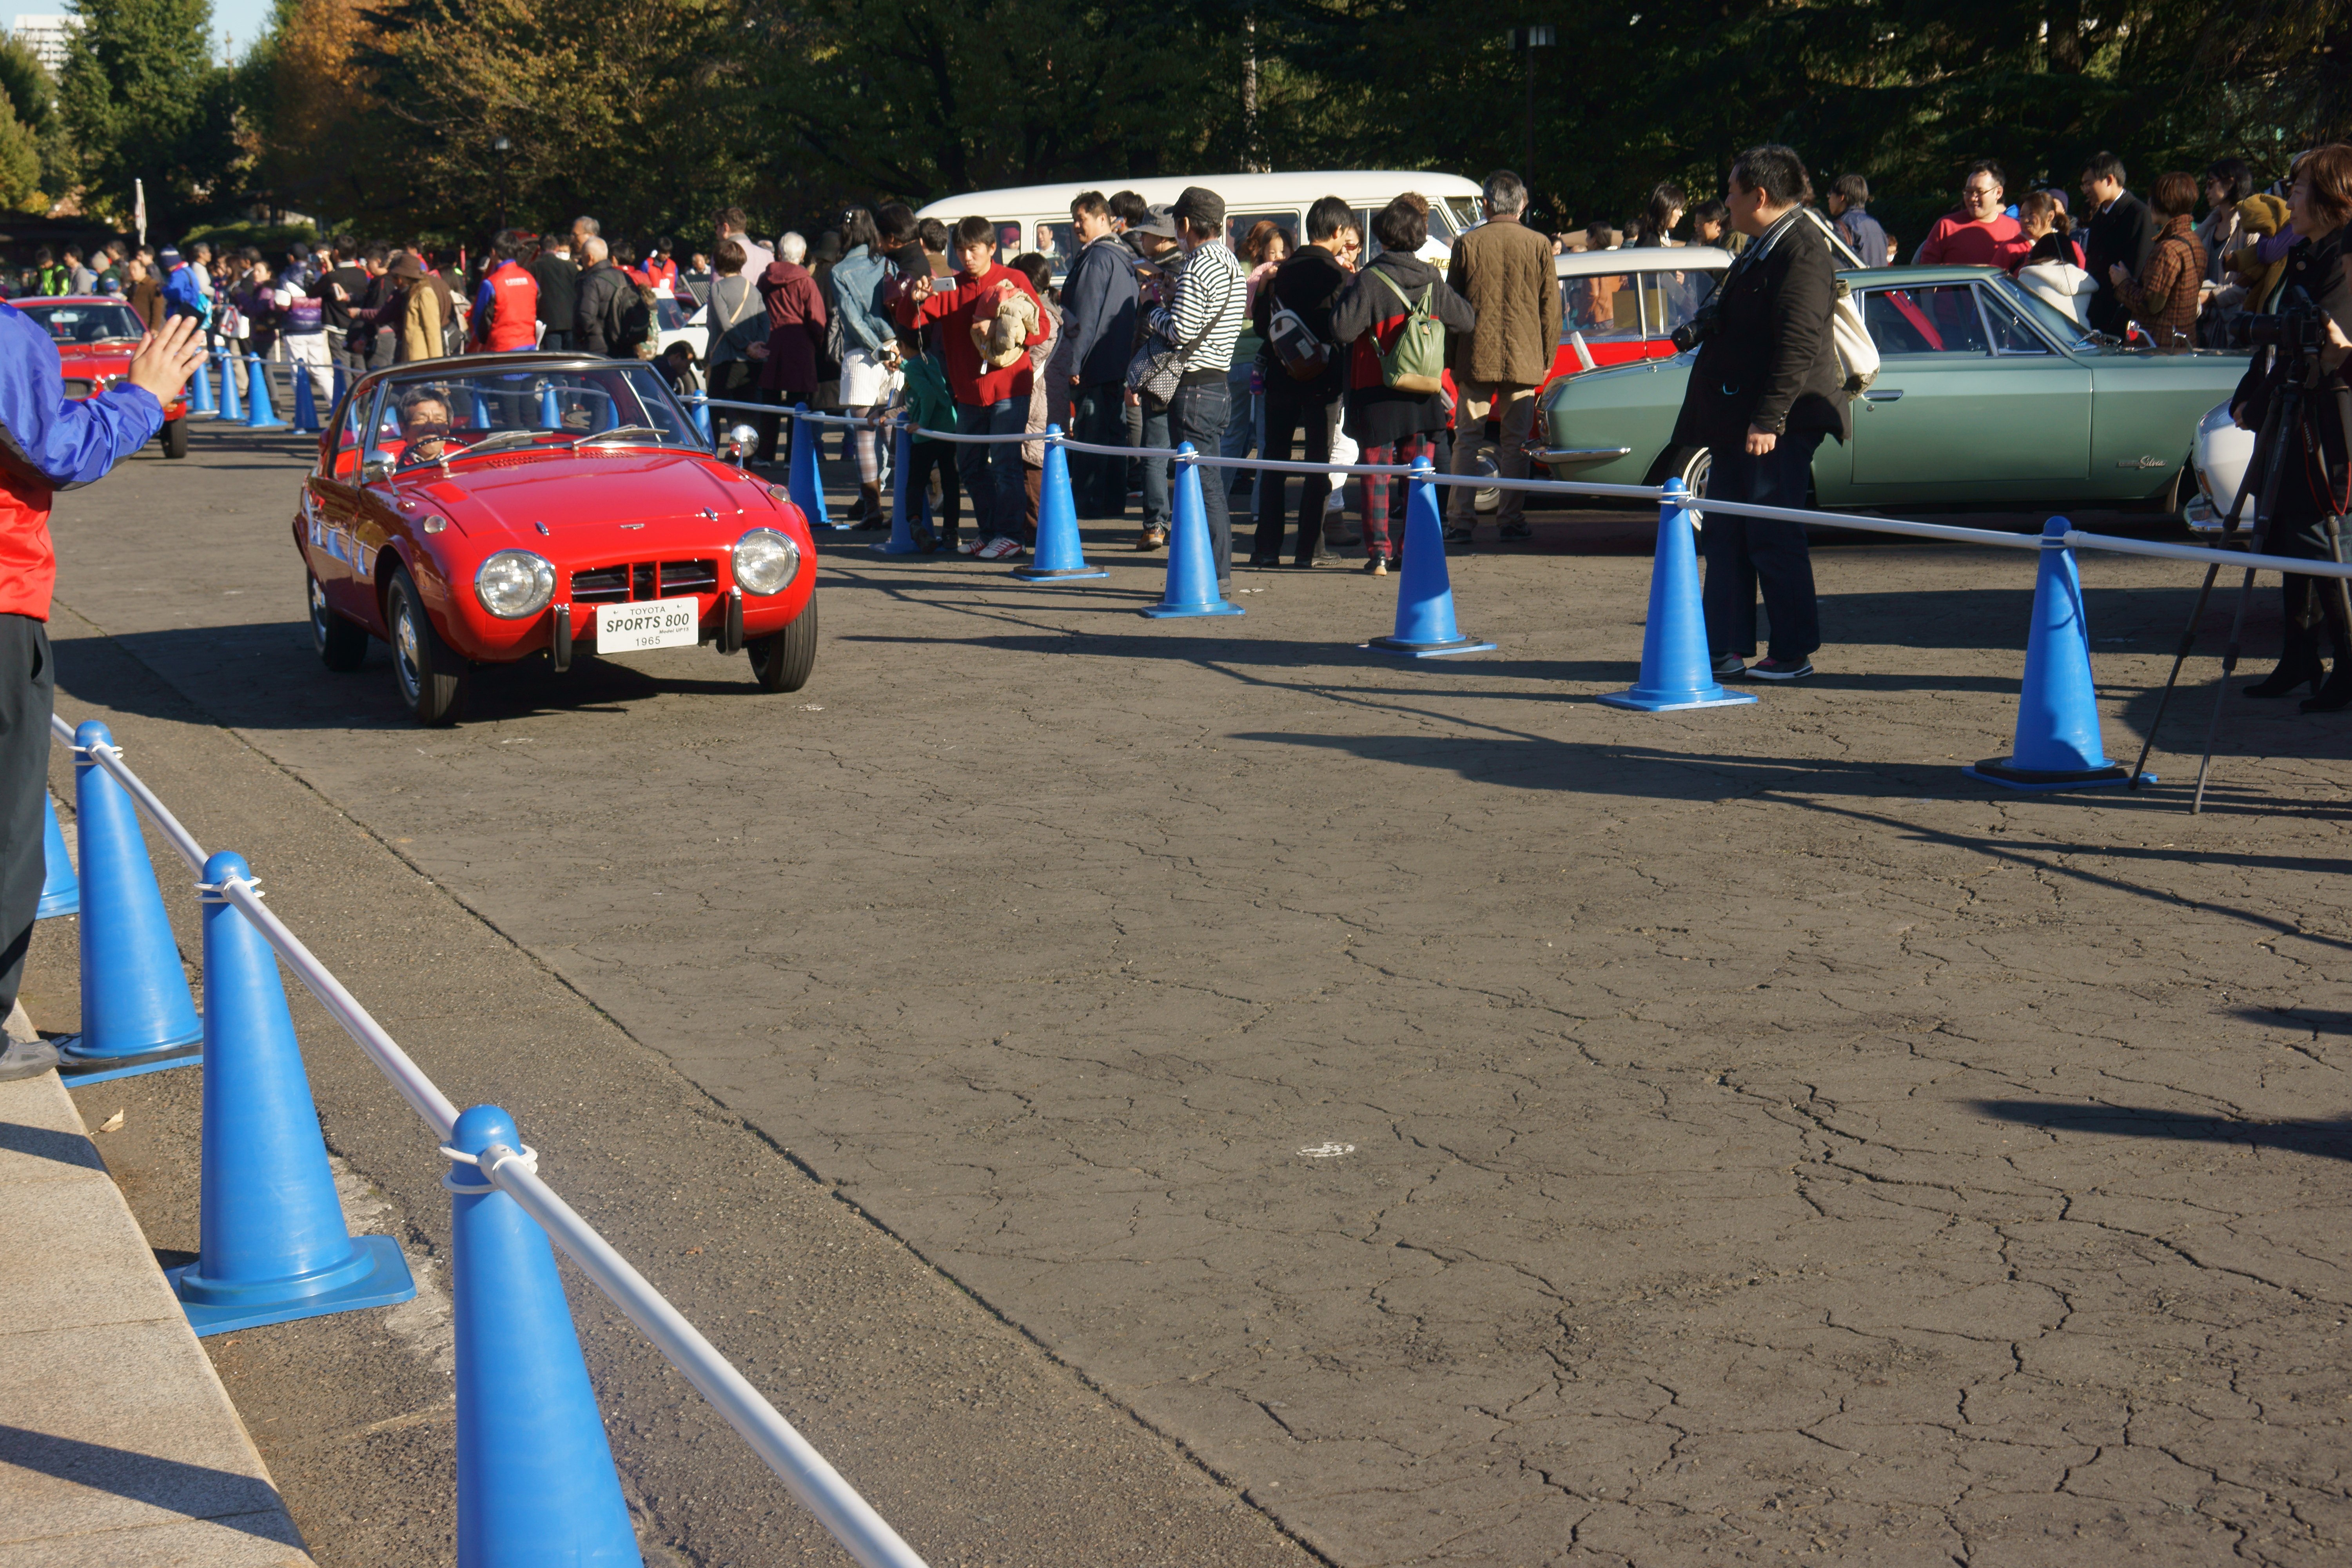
x=1236 y=440
x=992 y=472
x=1151 y=430
x=27 y=692
x=1197 y=414
x=1744 y=552
x=1287 y=411
x=1098 y=484
x=555 y=340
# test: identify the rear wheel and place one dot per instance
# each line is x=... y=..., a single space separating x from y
x=782 y=662
x=175 y=437
x=432 y=679
x=342 y=646
x=1485 y=461
x=1691 y=465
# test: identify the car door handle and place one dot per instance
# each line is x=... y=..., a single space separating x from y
x=1888 y=395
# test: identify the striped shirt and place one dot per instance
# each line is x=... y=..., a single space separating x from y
x=1210 y=295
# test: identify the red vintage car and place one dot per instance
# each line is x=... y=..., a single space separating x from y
x=96 y=335
x=494 y=508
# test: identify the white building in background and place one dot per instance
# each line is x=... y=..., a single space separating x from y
x=48 y=35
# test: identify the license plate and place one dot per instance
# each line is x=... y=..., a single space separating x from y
x=648 y=623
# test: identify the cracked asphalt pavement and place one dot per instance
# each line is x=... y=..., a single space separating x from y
x=1461 y=1122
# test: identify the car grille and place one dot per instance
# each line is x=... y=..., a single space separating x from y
x=643 y=580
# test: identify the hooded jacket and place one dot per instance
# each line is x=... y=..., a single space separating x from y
x=795 y=329
x=1368 y=317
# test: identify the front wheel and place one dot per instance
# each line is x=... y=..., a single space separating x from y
x=342 y=646
x=175 y=437
x=432 y=679
x=783 y=661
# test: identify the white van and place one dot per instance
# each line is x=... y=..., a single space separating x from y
x=1038 y=217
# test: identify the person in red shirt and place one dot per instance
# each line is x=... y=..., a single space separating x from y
x=661 y=270
x=50 y=442
x=506 y=308
x=1979 y=233
x=795 y=337
x=991 y=399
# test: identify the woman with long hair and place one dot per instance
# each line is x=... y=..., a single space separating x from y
x=861 y=281
x=1668 y=201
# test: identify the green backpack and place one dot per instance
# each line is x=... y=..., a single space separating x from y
x=1416 y=361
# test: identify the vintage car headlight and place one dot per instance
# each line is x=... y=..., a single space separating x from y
x=766 y=561
x=513 y=584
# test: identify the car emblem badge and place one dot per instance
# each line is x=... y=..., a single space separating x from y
x=711 y=513
x=541 y=526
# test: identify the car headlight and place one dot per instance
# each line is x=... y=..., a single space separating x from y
x=766 y=561
x=513 y=584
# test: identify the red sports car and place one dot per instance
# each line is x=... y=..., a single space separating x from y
x=496 y=508
x=96 y=335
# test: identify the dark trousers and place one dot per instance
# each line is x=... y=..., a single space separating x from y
x=1098 y=484
x=925 y=458
x=27 y=693
x=775 y=427
x=991 y=470
x=1197 y=414
x=555 y=341
x=1291 y=405
x=1746 y=553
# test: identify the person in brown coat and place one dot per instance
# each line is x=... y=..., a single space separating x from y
x=1505 y=270
x=418 y=311
x=795 y=337
x=2165 y=297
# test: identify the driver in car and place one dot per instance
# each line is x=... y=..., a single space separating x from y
x=425 y=425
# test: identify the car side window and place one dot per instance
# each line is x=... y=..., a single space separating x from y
x=343 y=458
x=1669 y=300
x=2010 y=332
x=1604 y=307
x=1941 y=319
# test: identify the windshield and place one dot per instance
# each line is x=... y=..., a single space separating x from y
x=1464 y=210
x=2043 y=313
x=430 y=418
x=84 y=323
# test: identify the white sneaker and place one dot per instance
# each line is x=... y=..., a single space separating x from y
x=969 y=546
x=999 y=548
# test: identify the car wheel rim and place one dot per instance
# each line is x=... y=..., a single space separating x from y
x=1694 y=476
x=404 y=640
x=1486 y=467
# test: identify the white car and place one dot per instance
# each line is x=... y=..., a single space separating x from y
x=682 y=321
x=2218 y=457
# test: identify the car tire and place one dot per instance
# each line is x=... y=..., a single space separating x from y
x=426 y=671
x=1691 y=465
x=1485 y=459
x=341 y=644
x=783 y=661
x=175 y=437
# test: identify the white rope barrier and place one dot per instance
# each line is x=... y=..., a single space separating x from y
x=110 y=758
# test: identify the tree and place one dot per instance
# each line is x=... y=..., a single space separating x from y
x=144 y=102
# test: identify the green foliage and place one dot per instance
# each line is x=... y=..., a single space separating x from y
x=271 y=238
x=145 y=102
x=20 y=167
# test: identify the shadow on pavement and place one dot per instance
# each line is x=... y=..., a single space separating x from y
x=2328 y=1140
x=242 y=1503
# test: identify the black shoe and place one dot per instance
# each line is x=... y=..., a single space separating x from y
x=27 y=1059
x=2336 y=694
x=1457 y=536
x=1265 y=560
x=1513 y=532
x=2290 y=674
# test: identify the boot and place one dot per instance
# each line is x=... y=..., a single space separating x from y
x=2299 y=654
x=2334 y=610
x=870 y=512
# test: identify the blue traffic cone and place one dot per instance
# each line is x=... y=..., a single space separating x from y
x=258 y=415
x=702 y=419
x=271 y=1245
x=229 y=407
x=305 y=406
x=200 y=391
x=909 y=532
x=1192 y=569
x=1060 y=555
x=535 y=1481
x=342 y=384
x=60 y=890
x=2057 y=745
x=802 y=481
x=482 y=420
x=1676 y=672
x=136 y=1012
x=551 y=410
x=1424 y=614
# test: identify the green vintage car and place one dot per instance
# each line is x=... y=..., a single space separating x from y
x=1986 y=394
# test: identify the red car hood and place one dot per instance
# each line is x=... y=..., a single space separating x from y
x=589 y=501
x=95 y=361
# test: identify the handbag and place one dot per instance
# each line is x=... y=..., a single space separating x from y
x=1159 y=363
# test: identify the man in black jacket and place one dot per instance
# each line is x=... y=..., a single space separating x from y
x=2123 y=232
x=1098 y=306
x=1764 y=390
x=599 y=281
x=1307 y=285
x=559 y=292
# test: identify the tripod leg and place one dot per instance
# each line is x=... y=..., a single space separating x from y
x=2221 y=693
x=2180 y=658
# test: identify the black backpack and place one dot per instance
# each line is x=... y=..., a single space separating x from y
x=628 y=318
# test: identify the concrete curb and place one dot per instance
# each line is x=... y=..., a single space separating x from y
x=119 y=1444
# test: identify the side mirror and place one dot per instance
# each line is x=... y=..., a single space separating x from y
x=375 y=473
x=740 y=440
